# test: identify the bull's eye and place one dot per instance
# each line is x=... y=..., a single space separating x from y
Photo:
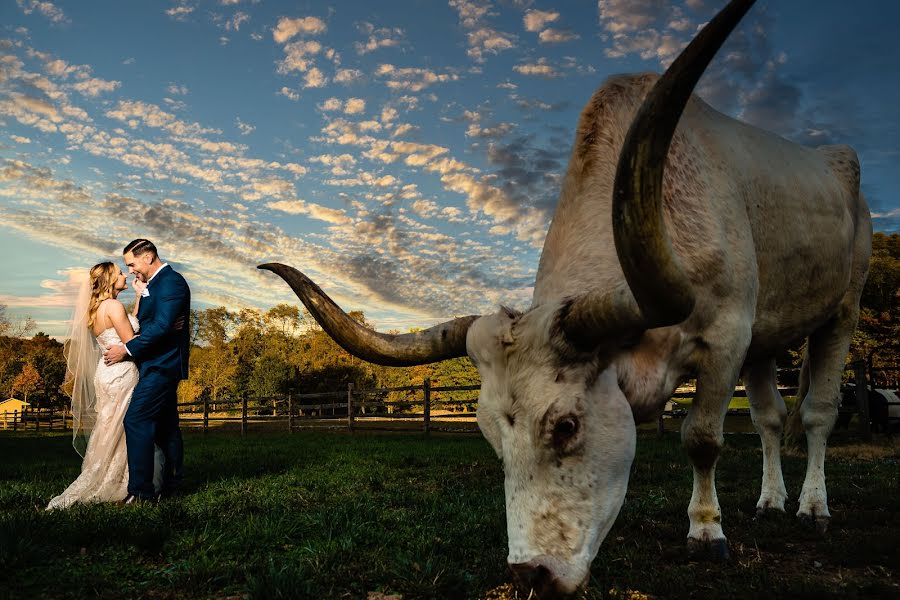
x=564 y=430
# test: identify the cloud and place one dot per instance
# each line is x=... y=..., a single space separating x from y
x=244 y=128
x=535 y=20
x=62 y=292
x=481 y=38
x=94 y=87
x=487 y=40
x=540 y=69
x=177 y=90
x=298 y=56
x=135 y=112
x=314 y=78
x=331 y=104
x=411 y=78
x=47 y=9
x=289 y=93
x=315 y=211
x=496 y=131
x=384 y=37
x=19 y=139
x=557 y=36
x=354 y=106
x=180 y=12
x=347 y=76
x=234 y=23
x=288 y=28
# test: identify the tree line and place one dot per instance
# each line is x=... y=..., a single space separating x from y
x=263 y=353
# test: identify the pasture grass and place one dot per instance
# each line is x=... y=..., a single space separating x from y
x=334 y=515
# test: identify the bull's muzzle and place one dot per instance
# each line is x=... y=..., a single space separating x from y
x=540 y=577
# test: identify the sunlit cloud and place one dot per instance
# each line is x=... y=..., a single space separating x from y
x=481 y=38
x=288 y=28
x=384 y=37
x=557 y=36
x=289 y=93
x=535 y=20
x=180 y=12
x=47 y=9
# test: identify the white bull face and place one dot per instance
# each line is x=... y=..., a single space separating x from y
x=566 y=435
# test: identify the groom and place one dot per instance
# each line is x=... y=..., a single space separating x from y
x=161 y=351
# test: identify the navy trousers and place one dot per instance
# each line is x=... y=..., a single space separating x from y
x=152 y=419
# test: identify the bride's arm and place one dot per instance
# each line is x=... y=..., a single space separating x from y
x=116 y=313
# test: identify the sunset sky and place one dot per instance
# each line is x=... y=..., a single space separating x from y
x=406 y=155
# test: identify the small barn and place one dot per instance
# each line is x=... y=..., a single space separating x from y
x=9 y=407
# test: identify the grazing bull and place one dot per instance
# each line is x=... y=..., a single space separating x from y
x=697 y=250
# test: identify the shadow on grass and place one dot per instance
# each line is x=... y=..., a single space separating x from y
x=318 y=515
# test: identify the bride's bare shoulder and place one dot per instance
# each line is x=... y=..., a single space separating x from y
x=112 y=306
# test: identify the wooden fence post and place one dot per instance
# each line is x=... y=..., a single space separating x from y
x=426 y=387
x=37 y=420
x=660 y=427
x=50 y=420
x=862 y=399
x=5 y=421
x=243 y=415
x=205 y=414
x=290 y=412
x=350 y=406
x=15 y=420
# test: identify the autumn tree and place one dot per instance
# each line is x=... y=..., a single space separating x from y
x=27 y=381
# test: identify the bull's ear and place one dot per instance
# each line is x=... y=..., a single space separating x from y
x=511 y=313
x=506 y=336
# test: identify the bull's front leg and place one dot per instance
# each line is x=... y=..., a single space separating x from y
x=702 y=437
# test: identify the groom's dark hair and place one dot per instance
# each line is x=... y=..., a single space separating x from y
x=141 y=246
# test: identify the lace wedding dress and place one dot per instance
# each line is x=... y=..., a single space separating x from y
x=104 y=471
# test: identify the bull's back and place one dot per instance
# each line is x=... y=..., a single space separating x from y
x=746 y=210
x=808 y=225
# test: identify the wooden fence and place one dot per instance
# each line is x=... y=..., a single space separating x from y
x=38 y=419
x=426 y=407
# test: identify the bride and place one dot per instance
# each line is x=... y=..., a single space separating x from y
x=100 y=393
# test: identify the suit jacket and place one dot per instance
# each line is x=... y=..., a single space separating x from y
x=160 y=346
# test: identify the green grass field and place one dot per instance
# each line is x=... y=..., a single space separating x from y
x=333 y=515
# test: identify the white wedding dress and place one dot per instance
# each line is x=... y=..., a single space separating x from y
x=104 y=471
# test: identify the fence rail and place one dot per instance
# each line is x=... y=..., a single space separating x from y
x=432 y=406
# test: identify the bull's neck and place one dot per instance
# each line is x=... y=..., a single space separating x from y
x=649 y=372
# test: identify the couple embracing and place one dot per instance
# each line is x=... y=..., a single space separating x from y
x=122 y=373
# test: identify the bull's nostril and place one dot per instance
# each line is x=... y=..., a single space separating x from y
x=534 y=577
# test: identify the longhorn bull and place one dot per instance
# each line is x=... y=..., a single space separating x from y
x=685 y=243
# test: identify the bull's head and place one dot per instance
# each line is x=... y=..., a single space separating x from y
x=550 y=402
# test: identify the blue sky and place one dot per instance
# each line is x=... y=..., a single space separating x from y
x=406 y=155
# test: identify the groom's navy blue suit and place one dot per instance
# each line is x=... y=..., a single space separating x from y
x=161 y=351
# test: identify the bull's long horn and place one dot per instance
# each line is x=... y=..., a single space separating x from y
x=447 y=340
x=657 y=283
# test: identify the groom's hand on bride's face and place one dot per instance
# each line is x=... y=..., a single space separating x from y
x=115 y=354
x=138 y=285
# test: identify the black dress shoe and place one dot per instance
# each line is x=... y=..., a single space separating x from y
x=170 y=494
x=133 y=499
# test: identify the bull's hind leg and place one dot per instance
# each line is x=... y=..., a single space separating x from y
x=702 y=437
x=827 y=353
x=768 y=413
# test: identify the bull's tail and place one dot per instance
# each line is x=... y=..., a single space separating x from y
x=793 y=430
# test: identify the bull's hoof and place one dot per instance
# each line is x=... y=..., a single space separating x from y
x=820 y=524
x=709 y=550
x=769 y=512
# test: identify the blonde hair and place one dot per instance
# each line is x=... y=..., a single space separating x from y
x=103 y=277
